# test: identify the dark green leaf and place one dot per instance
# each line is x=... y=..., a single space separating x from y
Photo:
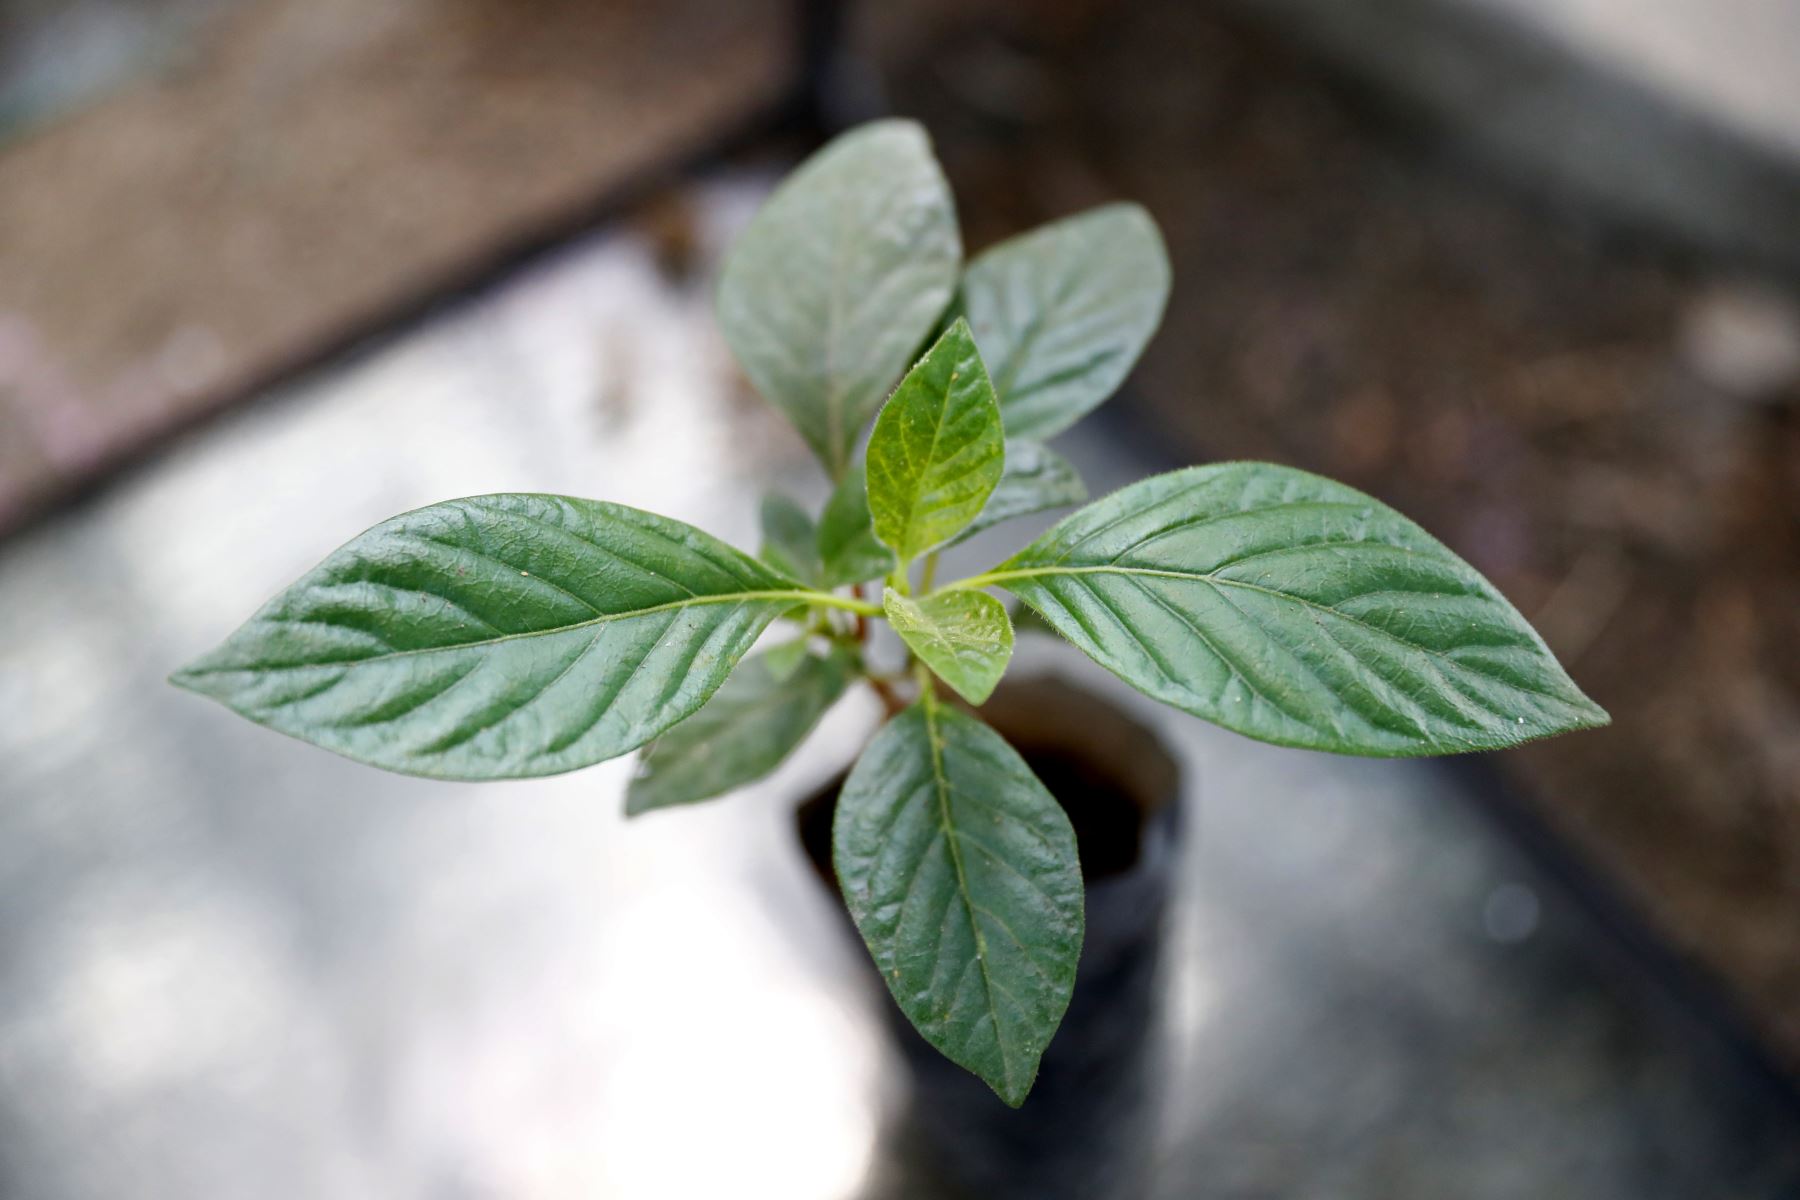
x=753 y=722
x=1036 y=478
x=965 y=637
x=1026 y=619
x=839 y=279
x=937 y=451
x=497 y=637
x=850 y=551
x=960 y=871
x=1295 y=610
x=790 y=542
x=1062 y=313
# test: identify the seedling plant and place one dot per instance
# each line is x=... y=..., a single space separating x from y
x=514 y=635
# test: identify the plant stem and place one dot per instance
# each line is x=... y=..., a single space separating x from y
x=862 y=623
x=927 y=684
x=890 y=699
x=861 y=608
x=929 y=573
x=976 y=582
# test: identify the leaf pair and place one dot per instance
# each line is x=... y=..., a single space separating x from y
x=850 y=265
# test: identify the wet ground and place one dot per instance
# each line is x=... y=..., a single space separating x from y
x=236 y=965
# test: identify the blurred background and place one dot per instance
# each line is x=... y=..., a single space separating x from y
x=272 y=270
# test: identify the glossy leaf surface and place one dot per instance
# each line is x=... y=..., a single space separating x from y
x=1061 y=313
x=848 y=548
x=836 y=283
x=960 y=871
x=1298 y=611
x=937 y=450
x=498 y=636
x=966 y=638
x=751 y=724
x=1036 y=478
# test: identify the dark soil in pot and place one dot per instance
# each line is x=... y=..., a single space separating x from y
x=1085 y=1131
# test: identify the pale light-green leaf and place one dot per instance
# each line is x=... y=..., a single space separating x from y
x=960 y=871
x=498 y=637
x=1036 y=478
x=964 y=637
x=848 y=548
x=744 y=732
x=1062 y=313
x=840 y=278
x=937 y=450
x=1298 y=611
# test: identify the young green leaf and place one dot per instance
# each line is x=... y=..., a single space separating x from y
x=965 y=637
x=1036 y=478
x=848 y=548
x=1298 y=611
x=937 y=451
x=790 y=541
x=960 y=872
x=753 y=722
x=498 y=637
x=1062 y=313
x=839 y=279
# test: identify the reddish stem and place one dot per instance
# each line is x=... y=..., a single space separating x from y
x=890 y=699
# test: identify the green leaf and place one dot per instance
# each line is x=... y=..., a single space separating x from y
x=1036 y=478
x=498 y=637
x=1026 y=619
x=848 y=547
x=840 y=278
x=1298 y=611
x=937 y=451
x=790 y=541
x=960 y=872
x=783 y=658
x=1062 y=313
x=965 y=637
x=741 y=734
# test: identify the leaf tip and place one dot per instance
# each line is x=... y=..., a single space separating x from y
x=1593 y=716
x=192 y=678
x=1012 y=1101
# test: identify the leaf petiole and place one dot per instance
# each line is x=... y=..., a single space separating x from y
x=861 y=608
x=929 y=574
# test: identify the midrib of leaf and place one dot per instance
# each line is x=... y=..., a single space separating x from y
x=947 y=824
x=937 y=434
x=795 y=595
x=834 y=395
x=1000 y=577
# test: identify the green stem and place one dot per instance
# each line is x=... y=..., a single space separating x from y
x=861 y=608
x=930 y=572
x=976 y=582
x=927 y=683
